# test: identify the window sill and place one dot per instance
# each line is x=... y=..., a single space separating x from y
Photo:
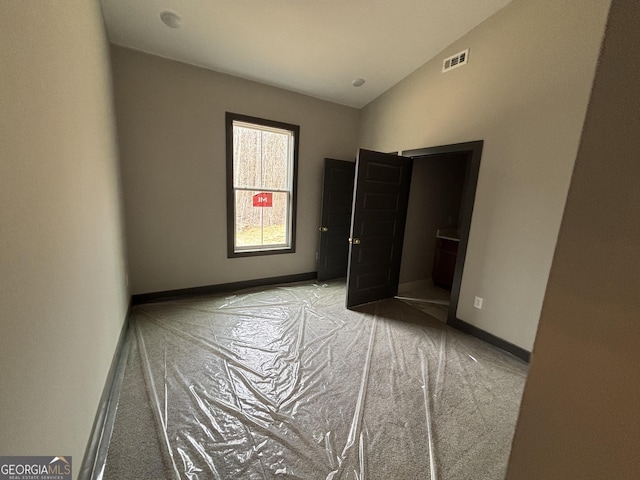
x=256 y=253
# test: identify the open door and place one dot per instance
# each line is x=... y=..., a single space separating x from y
x=377 y=226
x=337 y=199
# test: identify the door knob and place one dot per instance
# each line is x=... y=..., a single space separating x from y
x=354 y=241
x=324 y=229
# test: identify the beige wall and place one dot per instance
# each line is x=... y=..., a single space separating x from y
x=580 y=415
x=172 y=142
x=62 y=271
x=524 y=92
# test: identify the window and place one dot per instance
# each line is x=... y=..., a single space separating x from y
x=262 y=156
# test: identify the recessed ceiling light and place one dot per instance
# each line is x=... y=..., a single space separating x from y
x=358 y=82
x=170 y=19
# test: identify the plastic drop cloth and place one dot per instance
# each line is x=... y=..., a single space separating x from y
x=287 y=383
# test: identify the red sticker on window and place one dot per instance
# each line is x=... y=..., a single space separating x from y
x=263 y=200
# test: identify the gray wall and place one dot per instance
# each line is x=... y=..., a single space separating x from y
x=172 y=143
x=580 y=415
x=62 y=273
x=524 y=92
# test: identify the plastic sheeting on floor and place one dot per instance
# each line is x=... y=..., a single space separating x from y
x=286 y=383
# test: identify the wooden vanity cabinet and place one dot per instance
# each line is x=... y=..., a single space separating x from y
x=444 y=262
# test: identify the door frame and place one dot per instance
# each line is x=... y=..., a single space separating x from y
x=474 y=151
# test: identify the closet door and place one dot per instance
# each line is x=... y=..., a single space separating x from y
x=379 y=213
x=337 y=200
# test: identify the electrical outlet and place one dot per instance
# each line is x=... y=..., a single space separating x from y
x=477 y=303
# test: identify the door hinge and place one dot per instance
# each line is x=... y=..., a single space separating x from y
x=324 y=229
x=354 y=241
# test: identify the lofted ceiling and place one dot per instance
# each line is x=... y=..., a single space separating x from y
x=314 y=47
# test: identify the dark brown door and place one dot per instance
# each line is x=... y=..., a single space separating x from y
x=377 y=226
x=337 y=199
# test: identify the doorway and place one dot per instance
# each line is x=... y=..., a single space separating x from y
x=472 y=152
x=432 y=232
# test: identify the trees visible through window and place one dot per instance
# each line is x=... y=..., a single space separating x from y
x=261 y=177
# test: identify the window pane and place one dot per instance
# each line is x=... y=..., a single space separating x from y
x=275 y=159
x=246 y=157
x=260 y=225
x=260 y=158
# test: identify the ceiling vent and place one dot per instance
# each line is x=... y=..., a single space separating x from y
x=455 y=61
